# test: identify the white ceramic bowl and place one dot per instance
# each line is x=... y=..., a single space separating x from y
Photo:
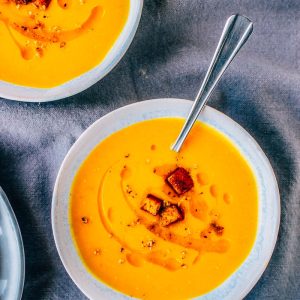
x=12 y=258
x=82 y=82
x=239 y=283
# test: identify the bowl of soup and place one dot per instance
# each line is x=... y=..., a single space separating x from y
x=132 y=218
x=53 y=49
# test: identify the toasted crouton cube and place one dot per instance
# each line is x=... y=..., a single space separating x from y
x=21 y=2
x=171 y=214
x=39 y=3
x=180 y=180
x=151 y=204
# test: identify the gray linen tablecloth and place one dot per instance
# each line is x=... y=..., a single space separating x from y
x=168 y=58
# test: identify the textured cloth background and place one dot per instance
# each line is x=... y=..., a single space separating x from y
x=168 y=58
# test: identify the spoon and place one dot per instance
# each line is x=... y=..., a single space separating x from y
x=235 y=33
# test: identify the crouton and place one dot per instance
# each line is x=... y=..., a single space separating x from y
x=180 y=181
x=42 y=3
x=38 y=3
x=21 y=2
x=171 y=214
x=151 y=204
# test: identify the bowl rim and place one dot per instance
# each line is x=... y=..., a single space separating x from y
x=17 y=231
x=171 y=101
x=11 y=91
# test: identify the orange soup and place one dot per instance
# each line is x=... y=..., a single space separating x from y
x=48 y=42
x=154 y=224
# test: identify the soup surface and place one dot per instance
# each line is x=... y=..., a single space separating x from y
x=47 y=46
x=155 y=224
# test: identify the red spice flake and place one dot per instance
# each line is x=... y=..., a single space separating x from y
x=183 y=266
x=153 y=147
x=39 y=51
x=219 y=230
x=212 y=228
x=97 y=251
x=85 y=220
x=148 y=244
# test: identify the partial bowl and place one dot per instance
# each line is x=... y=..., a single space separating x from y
x=12 y=259
x=245 y=277
x=78 y=84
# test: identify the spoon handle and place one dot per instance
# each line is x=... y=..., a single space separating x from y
x=235 y=33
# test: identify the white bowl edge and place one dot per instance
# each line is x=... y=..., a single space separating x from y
x=15 y=243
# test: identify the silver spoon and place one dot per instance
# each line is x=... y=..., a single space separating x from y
x=235 y=33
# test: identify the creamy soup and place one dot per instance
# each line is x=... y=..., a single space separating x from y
x=44 y=45
x=154 y=224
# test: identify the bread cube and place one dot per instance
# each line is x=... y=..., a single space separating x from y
x=180 y=181
x=171 y=214
x=152 y=204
